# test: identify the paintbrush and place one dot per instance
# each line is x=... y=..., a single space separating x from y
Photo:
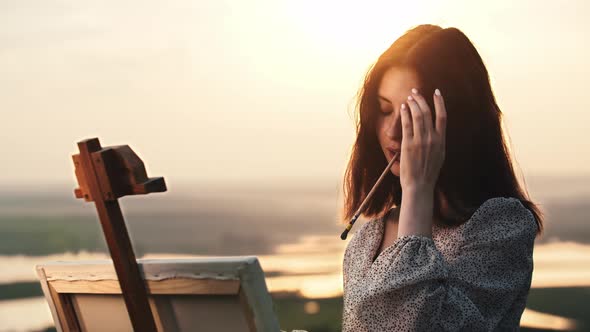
x=362 y=207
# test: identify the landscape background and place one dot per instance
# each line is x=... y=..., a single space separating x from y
x=246 y=109
x=291 y=228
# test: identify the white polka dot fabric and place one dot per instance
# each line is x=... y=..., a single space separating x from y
x=472 y=277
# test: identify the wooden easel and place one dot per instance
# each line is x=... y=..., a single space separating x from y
x=104 y=175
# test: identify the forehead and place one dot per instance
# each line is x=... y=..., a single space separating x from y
x=397 y=84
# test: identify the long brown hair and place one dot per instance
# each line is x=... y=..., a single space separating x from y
x=477 y=165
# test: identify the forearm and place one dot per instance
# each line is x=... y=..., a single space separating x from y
x=416 y=213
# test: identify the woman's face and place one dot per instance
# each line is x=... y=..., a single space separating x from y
x=396 y=85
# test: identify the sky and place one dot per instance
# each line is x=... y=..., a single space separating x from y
x=264 y=90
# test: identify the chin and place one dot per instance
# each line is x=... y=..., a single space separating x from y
x=395 y=170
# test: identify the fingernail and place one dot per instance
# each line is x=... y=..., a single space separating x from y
x=410 y=98
x=414 y=91
x=403 y=106
x=437 y=92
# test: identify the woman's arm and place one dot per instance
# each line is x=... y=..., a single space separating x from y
x=416 y=211
x=422 y=156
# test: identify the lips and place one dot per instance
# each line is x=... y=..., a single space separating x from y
x=393 y=150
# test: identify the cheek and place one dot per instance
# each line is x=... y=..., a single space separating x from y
x=379 y=135
x=379 y=128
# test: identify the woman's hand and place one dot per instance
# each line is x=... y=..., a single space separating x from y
x=423 y=145
x=423 y=150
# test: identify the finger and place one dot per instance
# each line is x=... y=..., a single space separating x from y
x=425 y=110
x=407 y=131
x=441 y=113
x=417 y=118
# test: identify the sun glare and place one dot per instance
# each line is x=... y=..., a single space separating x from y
x=363 y=28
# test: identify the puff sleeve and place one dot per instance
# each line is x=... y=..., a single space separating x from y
x=412 y=287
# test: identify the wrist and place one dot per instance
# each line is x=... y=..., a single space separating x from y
x=418 y=192
x=416 y=212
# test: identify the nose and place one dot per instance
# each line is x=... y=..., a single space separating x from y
x=394 y=126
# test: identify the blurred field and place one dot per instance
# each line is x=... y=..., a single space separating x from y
x=293 y=230
x=295 y=312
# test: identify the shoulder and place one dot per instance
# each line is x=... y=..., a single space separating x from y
x=497 y=205
x=363 y=235
x=367 y=229
x=504 y=210
x=501 y=217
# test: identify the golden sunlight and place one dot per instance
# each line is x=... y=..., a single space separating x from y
x=540 y=320
x=312 y=267
x=357 y=26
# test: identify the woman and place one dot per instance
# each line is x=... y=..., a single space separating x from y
x=450 y=246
